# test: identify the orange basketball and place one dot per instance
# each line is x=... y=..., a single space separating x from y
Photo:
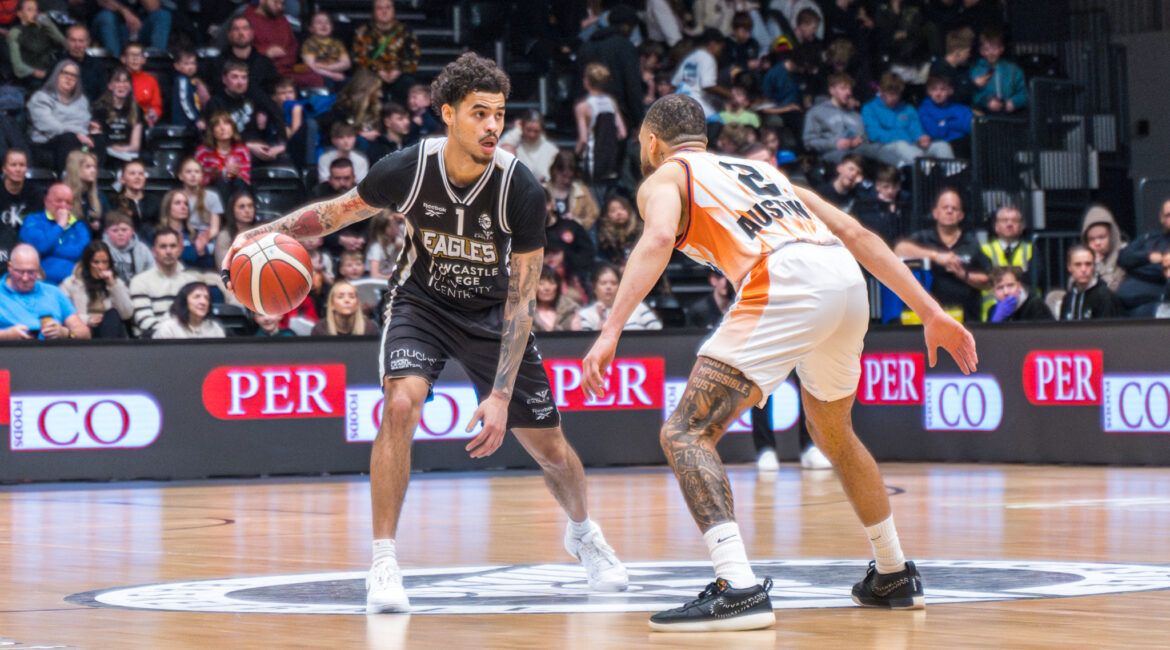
x=272 y=275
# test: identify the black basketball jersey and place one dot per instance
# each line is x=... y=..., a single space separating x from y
x=459 y=240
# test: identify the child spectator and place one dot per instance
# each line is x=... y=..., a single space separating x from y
x=887 y=211
x=423 y=122
x=954 y=66
x=189 y=94
x=779 y=88
x=1014 y=302
x=146 y=91
x=295 y=131
x=386 y=241
x=944 y=120
x=351 y=265
x=895 y=125
x=227 y=164
x=206 y=206
x=600 y=129
x=343 y=137
x=324 y=54
x=742 y=51
x=133 y=199
x=118 y=117
x=89 y=205
x=395 y=130
x=1000 y=85
x=842 y=190
x=737 y=110
x=130 y=256
x=833 y=129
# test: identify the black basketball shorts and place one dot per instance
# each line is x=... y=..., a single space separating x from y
x=417 y=340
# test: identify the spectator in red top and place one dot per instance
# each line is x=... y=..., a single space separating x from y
x=7 y=15
x=227 y=165
x=273 y=36
x=146 y=91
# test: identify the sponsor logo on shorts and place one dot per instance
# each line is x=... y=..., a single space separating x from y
x=539 y=397
x=543 y=412
x=654 y=586
x=432 y=210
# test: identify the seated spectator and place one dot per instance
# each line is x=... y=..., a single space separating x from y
x=895 y=125
x=606 y=278
x=227 y=163
x=17 y=196
x=944 y=120
x=273 y=36
x=189 y=316
x=1007 y=248
x=30 y=308
x=1142 y=262
x=89 y=204
x=175 y=214
x=269 y=326
x=93 y=70
x=385 y=46
x=148 y=20
x=324 y=54
x=900 y=31
x=1099 y=232
x=577 y=241
x=738 y=110
x=117 y=117
x=146 y=91
x=572 y=197
x=958 y=266
x=885 y=210
x=343 y=316
x=697 y=76
x=128 y=254
x=322 y=262
x=351 y=265
x=1000 y=85
x=650 y=57
x=99 y=296
x=240 y=37
x=339 y=181
x=741 y=50
x=618 y=229
x=302 y=145
x=57 y=235
x=1014 y=302
x=779 y=88
x=259 y=123
x=133 y=199
x=59 y=117
x=387 y=238
x=842 y=190
x=153 y=290
x=206 y=206
x=343 y=137
x=531 y=146
x=954 y=66
x=422 y=118
x=1088 y=296
x=833 y=129
x=359 y=104
x=349 y=238
x=708 y=310
x=188 y=93
x=392 y=137
x=554 y=312
x=240 y=217
x=601 y=134
x=556 y=258
x=32 y=43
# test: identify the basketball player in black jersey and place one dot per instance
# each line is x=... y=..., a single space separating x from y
x=464 y=287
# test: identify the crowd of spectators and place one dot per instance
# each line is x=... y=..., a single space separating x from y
x=842 y=95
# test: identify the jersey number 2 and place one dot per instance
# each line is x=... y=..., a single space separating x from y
x=752 y=179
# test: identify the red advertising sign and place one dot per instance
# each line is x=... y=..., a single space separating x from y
x=1063 y=377
x=265 y=392
x=629 y=384
x=5 y=387
x=893 y=378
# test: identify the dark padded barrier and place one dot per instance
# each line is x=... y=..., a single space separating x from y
x=1068 y=393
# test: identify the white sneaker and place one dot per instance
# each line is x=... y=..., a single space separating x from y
x=604 y=570
x=813 y=458
x=767 y=462
x=384 y=592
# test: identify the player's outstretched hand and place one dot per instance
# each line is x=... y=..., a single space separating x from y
x=241 y=240
x=493 y=412
x=595 y=364
x=944 y=331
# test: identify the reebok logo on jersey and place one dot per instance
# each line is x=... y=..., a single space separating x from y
x=434 y=210
x=441 y=244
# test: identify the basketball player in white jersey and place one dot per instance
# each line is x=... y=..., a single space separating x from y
x=801 y=304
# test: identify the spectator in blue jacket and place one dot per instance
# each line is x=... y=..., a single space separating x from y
x=999 y=84
x=894 y=125
x=58 y=236
x=944 y=120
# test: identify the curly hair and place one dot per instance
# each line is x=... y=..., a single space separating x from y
x=468 y=74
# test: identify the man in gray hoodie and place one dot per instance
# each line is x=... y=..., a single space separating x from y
x=131 y=256
x=833 y=128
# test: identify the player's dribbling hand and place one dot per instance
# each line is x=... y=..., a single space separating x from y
x=595 y=364
x=241 y=240
x=493 y=412
x=944 y=331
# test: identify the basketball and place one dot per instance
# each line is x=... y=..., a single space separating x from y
x=272 y=275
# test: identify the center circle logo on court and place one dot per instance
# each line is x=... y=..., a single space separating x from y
x=654 y=586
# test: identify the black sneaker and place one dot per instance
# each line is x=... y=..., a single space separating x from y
x=901 y=590
x=720 y=609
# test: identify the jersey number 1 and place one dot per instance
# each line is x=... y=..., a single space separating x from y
x=752 y=179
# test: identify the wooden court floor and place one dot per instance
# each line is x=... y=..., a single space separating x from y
x=982 y=533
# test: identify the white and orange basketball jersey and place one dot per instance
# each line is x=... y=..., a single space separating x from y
x=741 y=211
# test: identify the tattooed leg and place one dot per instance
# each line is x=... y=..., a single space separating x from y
x=715 y=394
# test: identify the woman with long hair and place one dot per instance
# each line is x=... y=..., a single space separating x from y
x=240 y=216
x=190 y=316
x=572 y=197
x=175 y=213
x=606 y=278
x=360 y=103
x=554 y=312
x=117 y=116
x=59 y=117
x=98 y=294
x=343 y=314
x=89 y=205
x=618 y=230
x=206 y=206
x=227 y=164
x=386 y=241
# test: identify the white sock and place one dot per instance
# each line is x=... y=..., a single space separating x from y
x=384 y=549
x=887 y=552
x=579 y=528
x=729 y=555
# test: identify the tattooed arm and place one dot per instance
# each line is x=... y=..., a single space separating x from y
x=314 y=220
x=519 y=310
